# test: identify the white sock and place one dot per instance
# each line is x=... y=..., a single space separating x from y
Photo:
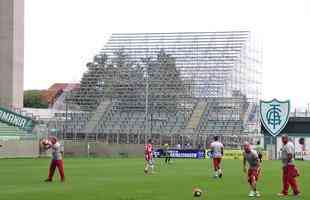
x=152 y=167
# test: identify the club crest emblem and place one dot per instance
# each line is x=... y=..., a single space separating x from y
x=274 y=115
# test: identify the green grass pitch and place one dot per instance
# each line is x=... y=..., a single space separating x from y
x=123 y=179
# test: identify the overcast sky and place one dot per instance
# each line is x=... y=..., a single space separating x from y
x=61 y=36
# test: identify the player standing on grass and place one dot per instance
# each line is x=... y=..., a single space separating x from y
x=290 y=172
x=57 y=159
x=167 y=153
x=148 y=155
x=251 y=157
x=217 y=152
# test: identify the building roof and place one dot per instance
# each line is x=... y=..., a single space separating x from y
x=294 y=126
x=51 y=94
x=64 y=86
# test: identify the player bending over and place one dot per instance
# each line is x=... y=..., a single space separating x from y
x=217 y=152
x=57 y=159
x=250 y=156
x=148 y=155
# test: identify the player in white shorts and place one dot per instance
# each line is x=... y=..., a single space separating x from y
x=217 y=152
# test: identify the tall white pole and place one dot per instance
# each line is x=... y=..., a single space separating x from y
x=147 y=99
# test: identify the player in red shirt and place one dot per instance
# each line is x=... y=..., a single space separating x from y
x=148 y=155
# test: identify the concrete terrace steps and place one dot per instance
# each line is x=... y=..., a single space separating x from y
x=196 y=116
x=96 y=116
x=7 y=130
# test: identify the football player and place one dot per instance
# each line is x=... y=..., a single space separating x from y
x=57 y=159
x=148 y=155
x=217 y=152
x=289 y=170
x=251 y=157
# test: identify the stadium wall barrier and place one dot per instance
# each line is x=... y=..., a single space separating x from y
x=302 y=150
x=101 y=149
x=19 y=148
x=238 y=154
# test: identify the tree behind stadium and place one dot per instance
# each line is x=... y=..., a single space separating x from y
x=127 y=82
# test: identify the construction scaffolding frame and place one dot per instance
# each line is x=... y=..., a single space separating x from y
x=176 y=85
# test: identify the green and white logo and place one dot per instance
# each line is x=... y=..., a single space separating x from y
x=15 y=119
x=274 y=115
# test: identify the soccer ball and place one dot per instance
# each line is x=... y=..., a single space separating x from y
x=197 y=192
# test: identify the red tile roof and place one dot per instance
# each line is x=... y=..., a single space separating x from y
x=56 y=89
x=64 y=86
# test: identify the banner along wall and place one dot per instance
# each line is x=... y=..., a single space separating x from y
x=15 y=119
x=238 y=154
x=181 y=153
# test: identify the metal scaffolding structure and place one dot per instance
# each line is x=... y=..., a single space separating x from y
x=167 y=84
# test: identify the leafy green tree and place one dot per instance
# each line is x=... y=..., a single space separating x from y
x=165 y=84
x=128 y=83
x=33 y=99
x=124 y=81
x=90 y=94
